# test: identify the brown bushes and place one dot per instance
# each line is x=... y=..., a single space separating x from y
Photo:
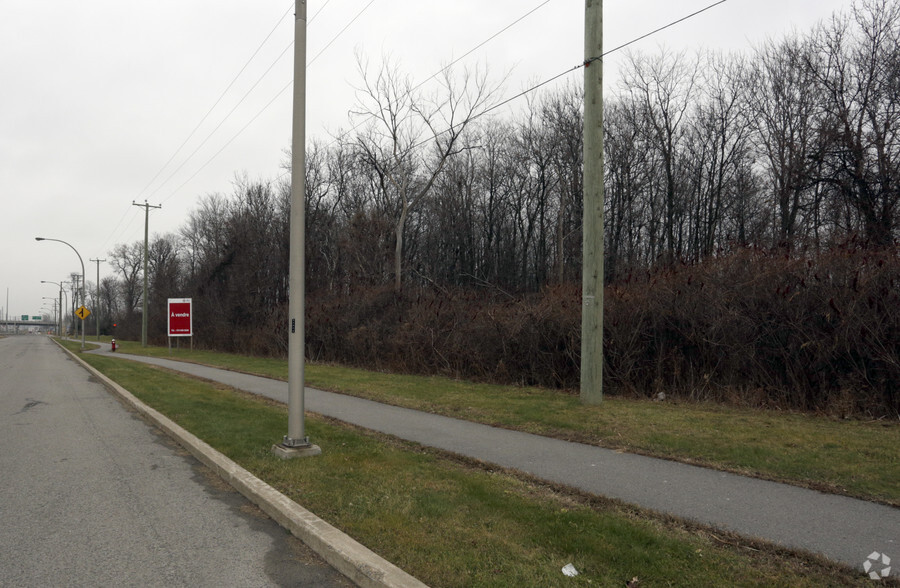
x=764 y=328
x=758 y=328
x=461 y=334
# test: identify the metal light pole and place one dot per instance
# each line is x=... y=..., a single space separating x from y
x=55 y=304
x=59 y=318
x=74 y=306
x=82 y=278
x=49 y=309
x=296 y=443
x=592 y=255
x=62 y=317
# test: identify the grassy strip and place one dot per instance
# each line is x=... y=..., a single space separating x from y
x=452 y=524
x=846 y=457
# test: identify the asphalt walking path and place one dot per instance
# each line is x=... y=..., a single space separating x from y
x=843 y=529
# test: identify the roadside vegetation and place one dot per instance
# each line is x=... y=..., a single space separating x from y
x=452 y=522
x=752 y=222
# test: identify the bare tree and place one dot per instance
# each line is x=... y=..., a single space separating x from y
x=857 y=71
x=563 y=115
x=128 y=262
x=164 y=260
x=110 y=311
x=204 y=235
x=498 y=246
x=720 y=130
x=626 y=179
x=665 y=87
x=409 y=136
x=784 y=103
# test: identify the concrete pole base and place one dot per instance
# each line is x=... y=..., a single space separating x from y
x=285 y=452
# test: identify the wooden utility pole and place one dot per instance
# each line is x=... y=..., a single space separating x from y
x=146 y=208
x=592 y=255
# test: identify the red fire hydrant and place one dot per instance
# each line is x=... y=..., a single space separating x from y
x=113 y=345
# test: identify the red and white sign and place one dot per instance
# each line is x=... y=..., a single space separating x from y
x=180 y=322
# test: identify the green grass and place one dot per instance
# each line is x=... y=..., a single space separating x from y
x=451 y=523
x=849 y=457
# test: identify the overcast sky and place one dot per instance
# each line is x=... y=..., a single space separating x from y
x=96 y=96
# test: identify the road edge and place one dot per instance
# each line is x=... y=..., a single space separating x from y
x=355 y=561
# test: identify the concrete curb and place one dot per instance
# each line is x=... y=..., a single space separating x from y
x=358 y=563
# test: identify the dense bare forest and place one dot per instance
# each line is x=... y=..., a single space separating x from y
x=751 y=225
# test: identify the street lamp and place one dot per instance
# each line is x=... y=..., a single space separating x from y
x=55 y=304
x=61 y=292
x=59 y=320
x=82 y=277
x=49 y=309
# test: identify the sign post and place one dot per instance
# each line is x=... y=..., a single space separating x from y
x=181 y=322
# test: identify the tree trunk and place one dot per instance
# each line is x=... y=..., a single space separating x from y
x=398 y=249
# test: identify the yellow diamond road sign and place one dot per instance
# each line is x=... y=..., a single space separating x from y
x=82 y=312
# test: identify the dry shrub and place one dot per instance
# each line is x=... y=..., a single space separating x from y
x=763 y=328
x=529 y=340
x=758 y=328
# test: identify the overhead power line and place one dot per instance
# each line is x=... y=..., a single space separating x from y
x=550 y=80
x=260 y=112
x=223 y=121
x=113 y=233
x=482 y=44
x=319 y=11
x=217 y=102
x=244 y=97
x=288 y=85
x=225 y=91
x=229 y=142
x=475 y=48
x=662 y=28
x=264 y=108
x=451 y=64
x=341 y=32
x=586 y=63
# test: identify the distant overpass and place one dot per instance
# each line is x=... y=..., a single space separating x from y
x=13 y=326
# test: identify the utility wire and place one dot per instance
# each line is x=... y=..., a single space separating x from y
x=229 y=142
x=218 y=101
x=586 y=63
x=319 y=11
x=482 y=44
x=264 y=108
x=222 y=122
x=209 y=112
x=288 y=85
x=448 y=66
x=118 y=224
x=335 y=38
x=662 y=28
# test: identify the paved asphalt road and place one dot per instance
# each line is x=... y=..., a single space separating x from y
x=91 y=495
x=843 y=529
